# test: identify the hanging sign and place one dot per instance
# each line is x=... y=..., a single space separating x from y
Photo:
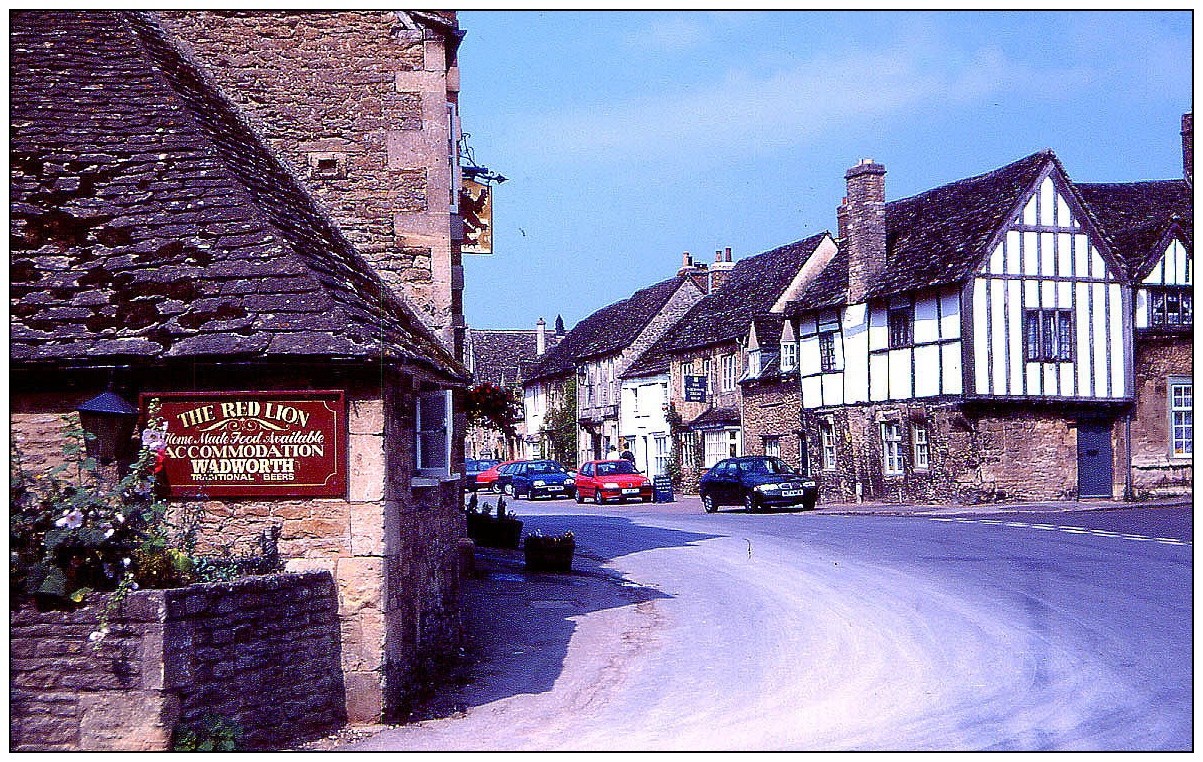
x=476 y=208
x=254 y=444
x=695 y=388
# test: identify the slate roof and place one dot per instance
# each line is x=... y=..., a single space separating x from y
x=715 y=418
x=937 y=237
x=610 y=329
x=1134 y=217
x=503 y=357
x=148 y=221
x=751 y=288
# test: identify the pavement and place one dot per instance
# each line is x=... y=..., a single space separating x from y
x=1051 y=506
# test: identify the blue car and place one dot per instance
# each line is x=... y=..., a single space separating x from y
x=756 y=482
x=538 y=478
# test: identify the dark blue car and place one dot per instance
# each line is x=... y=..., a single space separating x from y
x=538 y=478
x=756 y=482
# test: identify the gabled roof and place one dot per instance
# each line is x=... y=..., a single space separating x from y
x=609 y=330
x=751 y=288
x=503 y=357
x=149 y=222
x=1135 y=217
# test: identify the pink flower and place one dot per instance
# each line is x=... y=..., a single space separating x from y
x=154 y=439
x=73 y=519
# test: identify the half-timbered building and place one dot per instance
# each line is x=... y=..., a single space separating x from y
x=976 y=342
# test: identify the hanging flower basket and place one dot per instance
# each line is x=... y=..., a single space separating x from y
x=551 y=554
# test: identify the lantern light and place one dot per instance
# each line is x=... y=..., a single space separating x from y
x=111 y=420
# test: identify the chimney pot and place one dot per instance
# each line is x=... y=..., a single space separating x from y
x=718 y=256
x=727 y=254
x=540 y=337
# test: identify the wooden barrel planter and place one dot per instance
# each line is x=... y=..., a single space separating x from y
x=549 y=554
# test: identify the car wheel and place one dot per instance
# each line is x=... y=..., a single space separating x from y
x=508 y=489
x=495 y=488
x=708 y=503
x=751 y=503
x=597 y=498
x=808 y=505
x=579 y=497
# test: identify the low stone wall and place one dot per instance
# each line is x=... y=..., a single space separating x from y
x=262 y=652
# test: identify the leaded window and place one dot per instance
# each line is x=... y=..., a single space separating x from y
x=1048 y=335
x=1182 y=421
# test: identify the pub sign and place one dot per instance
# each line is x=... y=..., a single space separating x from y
x=695 y=388
x=254 y=444
x=476 y=208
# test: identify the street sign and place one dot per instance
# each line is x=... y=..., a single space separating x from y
x=695 y=388
x=663 y=486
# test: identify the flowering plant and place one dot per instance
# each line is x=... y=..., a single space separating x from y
x=72 y=530
x=490 y=405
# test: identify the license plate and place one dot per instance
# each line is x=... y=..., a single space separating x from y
x=791 y=492
x=630 y=491
x=554 y=488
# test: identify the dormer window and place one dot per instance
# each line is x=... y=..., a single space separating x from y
x=753 y=363
x=1170 y=308
x=789 y=355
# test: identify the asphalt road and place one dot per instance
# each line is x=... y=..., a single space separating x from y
x=680 y=630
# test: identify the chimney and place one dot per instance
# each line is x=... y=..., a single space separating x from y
x=1188 y=151
x=866 y=227
x=540 y=337
x=695 y=270
x=841 y=220
x=721 y=268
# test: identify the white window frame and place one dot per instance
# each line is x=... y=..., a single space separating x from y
x=432 y=438
x=1180 y=404
x=920 y=448
x=753 y=363
x=827 y=444
x=662 y=453
x=789 y=355
x=891 y=448
x=772 y=446
x=730 y=365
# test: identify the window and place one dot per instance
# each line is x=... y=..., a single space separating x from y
x=827 y=443
x=920 y=447
x=753 y=363
x=772 y=446
x=827 y=352
x=1048 y=335
x=902 y=327
x=730 y=371
x=1170 y=308
x=1182 y=421
x=433 y=440
x=789 y=355
x=660 y=461
x=733 y=443
x=891 y=438
x=706 y=369
x=715 y=444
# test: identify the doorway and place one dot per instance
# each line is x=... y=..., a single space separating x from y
x=1094 y=459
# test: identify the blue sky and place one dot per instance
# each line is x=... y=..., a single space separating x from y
x=631 y=137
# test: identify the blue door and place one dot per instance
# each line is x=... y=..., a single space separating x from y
x=1094 y=459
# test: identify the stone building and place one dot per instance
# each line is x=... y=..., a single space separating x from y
x=708 y=349
x=596 y=352
x=770 y=394
x=504 y=358
x=160 y=247
x=363 y=106
x=976 y=342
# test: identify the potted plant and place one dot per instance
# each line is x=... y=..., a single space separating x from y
x=552 y=553
x=488 y=531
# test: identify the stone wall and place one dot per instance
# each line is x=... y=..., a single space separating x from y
x=1154 y=470
x=356 y=103
x=771 y=408
x=976 y=455
x=262 y=652
x=391 y=545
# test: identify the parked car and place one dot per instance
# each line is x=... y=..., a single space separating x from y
x=538 y=478
x=487 y=479
x=474 y=467
x=604 y=480
x=756 y=482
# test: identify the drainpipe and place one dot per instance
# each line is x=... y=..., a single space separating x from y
x=1129 y=495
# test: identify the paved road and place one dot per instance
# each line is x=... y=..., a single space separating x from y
x=681 y=630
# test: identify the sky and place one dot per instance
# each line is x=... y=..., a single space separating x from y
x=630 y=137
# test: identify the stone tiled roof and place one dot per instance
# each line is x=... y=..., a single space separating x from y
x=609 y=330
x=148 y=222
x=716 y=418
x=1135 y=217
x=503 y=357
x=752 y=287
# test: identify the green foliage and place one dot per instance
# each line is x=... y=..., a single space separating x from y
x=491 y=406
x=212 y=732
x=560 y=427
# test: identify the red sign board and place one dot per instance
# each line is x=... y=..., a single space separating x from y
x=254 y=444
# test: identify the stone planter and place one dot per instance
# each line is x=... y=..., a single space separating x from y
x=550 y=554
x=491 y=532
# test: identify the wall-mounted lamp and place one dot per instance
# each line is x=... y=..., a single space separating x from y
x=111 y=420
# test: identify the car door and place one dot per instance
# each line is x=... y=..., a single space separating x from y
x=585 y=485
x=720 y=483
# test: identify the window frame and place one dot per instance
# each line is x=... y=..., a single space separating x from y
x=422 y=467
x=789 y=355
x=827 y=445
x=1174 y=409
x=891 y=449
x=729 y=365
x=827 y=363
x=1049 y=335
x=900 y=333
x=920 y=448
x=1159 y=315
x=772 y=445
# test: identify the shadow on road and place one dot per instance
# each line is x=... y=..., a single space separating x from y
x=519 y=624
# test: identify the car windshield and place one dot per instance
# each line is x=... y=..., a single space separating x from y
x=618 y=467
x=545 y=468
x=766 y=466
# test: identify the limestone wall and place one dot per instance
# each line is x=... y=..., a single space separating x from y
x=262 y=652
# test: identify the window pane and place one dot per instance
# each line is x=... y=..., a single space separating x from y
x=1065 y=335
x=1031 y=328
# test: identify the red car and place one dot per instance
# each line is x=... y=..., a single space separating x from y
x=612 y=480
x=488 y=479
